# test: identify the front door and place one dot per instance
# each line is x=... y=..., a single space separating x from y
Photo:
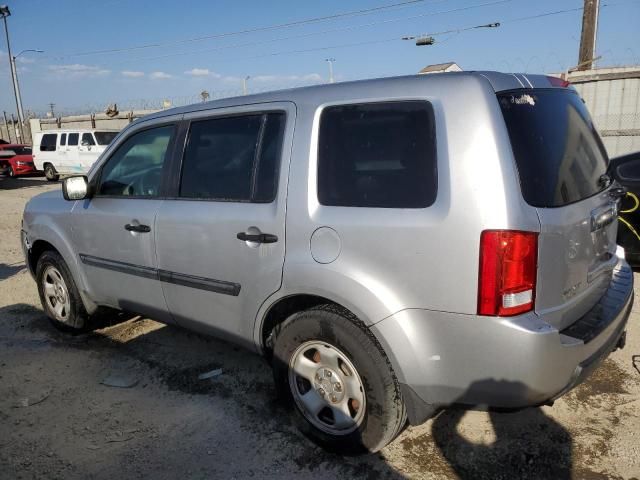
x=71 y=159
x=86 y=153
x=221 y=241
x=114 y=231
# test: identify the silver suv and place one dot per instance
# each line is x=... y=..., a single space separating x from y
x=391 y=246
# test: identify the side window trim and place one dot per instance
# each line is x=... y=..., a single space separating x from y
x=166 y=168
x=187 y=123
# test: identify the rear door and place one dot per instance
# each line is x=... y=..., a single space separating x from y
x=562 y=166
x=221 y=239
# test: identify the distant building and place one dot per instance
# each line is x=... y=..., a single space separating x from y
x=441 y=68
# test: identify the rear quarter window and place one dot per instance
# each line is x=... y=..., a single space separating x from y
x=559 y=154
x=377 y=155
x=48 y=142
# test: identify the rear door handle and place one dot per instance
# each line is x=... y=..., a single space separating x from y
x=257 y=238
x=137 y=228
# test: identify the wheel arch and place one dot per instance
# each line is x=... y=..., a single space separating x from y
x=45 y=238
x=277 y=309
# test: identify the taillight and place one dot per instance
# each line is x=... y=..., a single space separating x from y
x=507 y=279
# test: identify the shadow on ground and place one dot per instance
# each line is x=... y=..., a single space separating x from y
x=9 y=270
x=12 y=183
x=171 y=423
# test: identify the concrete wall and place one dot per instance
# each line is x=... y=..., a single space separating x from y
x=92 y=121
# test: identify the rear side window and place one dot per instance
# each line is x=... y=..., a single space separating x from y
x=559 y=155
x=73 y=139
x=378 y=155
x=48 y=142
x=233 y=158
x=63 y=139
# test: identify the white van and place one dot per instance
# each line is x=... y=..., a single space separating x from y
x=69 y=152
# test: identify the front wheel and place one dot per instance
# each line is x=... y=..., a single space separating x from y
x=12 y=172
x=337 y=381
x=59 y=294
x=51 y=173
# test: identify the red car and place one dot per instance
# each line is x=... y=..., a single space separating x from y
x=16 y=159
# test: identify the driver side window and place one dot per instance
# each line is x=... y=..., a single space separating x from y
x=135 y=168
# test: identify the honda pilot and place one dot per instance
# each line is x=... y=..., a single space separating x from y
x=391 y=246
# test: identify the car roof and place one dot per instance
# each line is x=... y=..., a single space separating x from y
x=9 y=146
x=498 y=81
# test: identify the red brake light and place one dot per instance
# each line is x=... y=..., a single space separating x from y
x=507 y=278
x=558 y=82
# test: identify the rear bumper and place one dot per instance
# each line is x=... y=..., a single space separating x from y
x=24 y=169
x=444 y=358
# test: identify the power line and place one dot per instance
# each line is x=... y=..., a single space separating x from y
x=306 y=21
x=394 y=39
x=513 y=20
x=304 y=35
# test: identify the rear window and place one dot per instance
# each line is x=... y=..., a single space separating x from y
x=377 y=155
x=48 y=142
x=22 y=150
x=105 y=138
x=559 y=155
x=73 y=139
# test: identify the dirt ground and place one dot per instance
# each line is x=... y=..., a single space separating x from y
x=59 y=419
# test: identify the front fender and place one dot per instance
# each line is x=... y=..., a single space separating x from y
x=54 y=227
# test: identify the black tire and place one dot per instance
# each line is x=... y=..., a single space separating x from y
x=385 y=413
x=51 y=173
x=12 y=173
x=77 y=319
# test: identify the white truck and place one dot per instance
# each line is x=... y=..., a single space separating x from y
x=69 y=152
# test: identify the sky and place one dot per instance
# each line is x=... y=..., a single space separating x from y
x=137 y=53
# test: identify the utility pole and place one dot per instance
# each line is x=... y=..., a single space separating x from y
x=17 y=85
x=588 y=36
x=51 y=105
x=330 y=62
x=4 y=13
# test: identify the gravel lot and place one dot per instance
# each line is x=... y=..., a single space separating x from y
x=59 y=420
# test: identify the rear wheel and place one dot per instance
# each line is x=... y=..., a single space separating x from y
x=337 y=382
x=59 y=294
x=51 y=173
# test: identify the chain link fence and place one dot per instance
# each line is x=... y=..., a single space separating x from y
x=620 y=132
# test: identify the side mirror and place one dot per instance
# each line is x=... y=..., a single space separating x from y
x=75 y=188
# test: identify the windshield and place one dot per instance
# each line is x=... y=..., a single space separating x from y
x=559 y=154
x=104 y=138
